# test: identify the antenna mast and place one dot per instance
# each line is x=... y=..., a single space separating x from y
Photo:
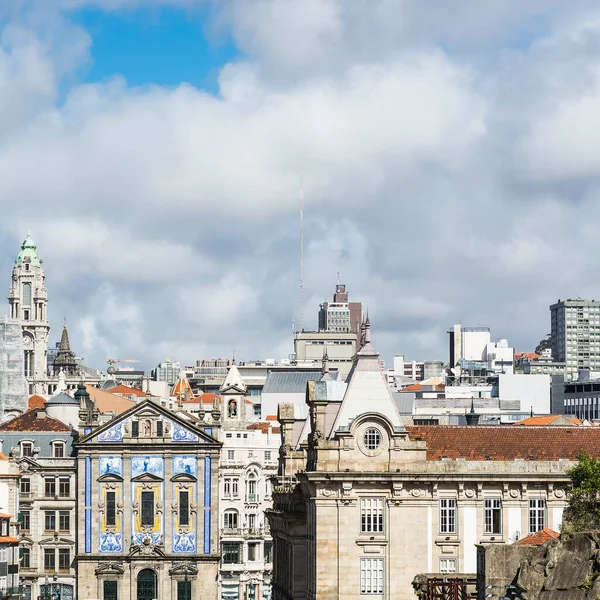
x=301 y=256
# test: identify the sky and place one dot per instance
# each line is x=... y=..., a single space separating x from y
x=449 y=153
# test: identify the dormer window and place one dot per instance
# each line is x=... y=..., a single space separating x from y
x=26 y=448
x=58 y=449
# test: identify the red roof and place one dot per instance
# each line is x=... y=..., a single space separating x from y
x=546 y=420
x=7 y=539
x=487 y=442
x=36 y=401
x=125 y=390
x=264 y=427
x=29 y=421
x=529 y=355
x=538 y=538
x=271 y=417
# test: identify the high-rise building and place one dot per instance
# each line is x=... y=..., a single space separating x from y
x=167 y=371
x=28 y=300
x=340 y=316
x=575 y=334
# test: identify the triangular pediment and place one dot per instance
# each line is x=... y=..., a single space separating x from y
x=176 y=429
x=27 y=463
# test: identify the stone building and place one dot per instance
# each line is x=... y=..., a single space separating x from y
x=248 y=461
x=42 y=449
x=148 y=506
x=363 y=504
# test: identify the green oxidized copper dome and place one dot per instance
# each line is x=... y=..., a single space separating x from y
x=28 y=253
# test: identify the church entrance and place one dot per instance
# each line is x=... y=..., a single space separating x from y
x=146 y=585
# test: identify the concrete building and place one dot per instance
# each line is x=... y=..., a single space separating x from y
x=41 y=447
x=341 y=315
x=249 y=458
x=365 y=504
x=311 y=346
x=413 y=370
x=167 y=371
x=149 y=506
x=575 y=334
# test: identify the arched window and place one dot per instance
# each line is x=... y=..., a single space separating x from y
x=230 y=519
x=232 y=408
x=251 y=487
x=146 y=585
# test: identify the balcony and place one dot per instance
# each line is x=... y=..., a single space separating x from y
x=252 y=498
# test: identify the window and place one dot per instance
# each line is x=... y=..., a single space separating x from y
x=50 y=487
x=135 y=429
x=252 y=551
x=64 y=487
x=447 y=565
x=111 y=508
x=251 y=521
x=537 y=514
x=372 y=438
x=268 y=552
x=184 y=590
x=448 y=515
x=371 y=515
x=232 y=553
x=49 y=520
x=25 y=487
x=49 y=559
x=148 y=509
x=230 y=454
x=493 y=515
x=110 y=590
x=59 y=449
x=184 y=507
x=26 y=448
x=251 y=488
x=230 y=519
x=267 y=455
x=64 y=559
x=235 y=487
x=27 y=294
x=25 y=520
x=159 y=428
x=371 y=575
x=25 y=557
x=26 y=314
x=227 y=487
x=64 y=520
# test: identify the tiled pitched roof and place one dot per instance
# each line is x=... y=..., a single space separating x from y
x=487 y=442
x=106 y=402
x=126 y=390
x=538 y=538
x=547 y=420
x=29 y=421
x=264 y=427
x=35 y=401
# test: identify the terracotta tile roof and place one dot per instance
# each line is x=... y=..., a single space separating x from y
x=7 y=539
x=487 y=442
x=106 y=402
x=529 y=355
x=547 y=420
x=415 y=387
x=29 y=421
x=538 y=538
x=125 y=390
x=264 y=427
x=271 y=417
x=36 y=401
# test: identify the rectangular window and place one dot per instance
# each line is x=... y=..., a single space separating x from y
x=184 y=590
x=371 y=515
x=111 y=508
x=25 y=520
x=135 y=429
x=110 y=590
x=184 y=507
x=64 y=487
x=25 y=487
x=268 y=552
x=49 y=559
x=148 y=509
x=64 y=559
x=448 y=515
x=25 y=557
x=27 y=294
x=251 y=521
x=252 y=551
x=64 y=520
x=230 y=454
x=59 y=450
x=26 y=449
x=49 y=520
x=371 y=576
x=493 y=515
x=267 y=455
x=447 y=565
x=227 y=487
x=231 y=553
x=537 y=515
x=230 y=519
x=159 y=428
x=50 y=487
x=235 y=487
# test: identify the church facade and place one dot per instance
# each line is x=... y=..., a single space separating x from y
x=148 y=506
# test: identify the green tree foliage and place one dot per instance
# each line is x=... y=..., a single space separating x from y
x=583 y=508
x=545 y=343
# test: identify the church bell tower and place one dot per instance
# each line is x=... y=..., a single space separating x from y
x=28 y=301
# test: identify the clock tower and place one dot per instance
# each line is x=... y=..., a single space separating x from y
x=28 y=301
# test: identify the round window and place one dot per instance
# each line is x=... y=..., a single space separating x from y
x=372 y=438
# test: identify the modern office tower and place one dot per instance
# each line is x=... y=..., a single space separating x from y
x=340 y=316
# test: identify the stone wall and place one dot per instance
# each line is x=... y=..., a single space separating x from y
x=566 y=568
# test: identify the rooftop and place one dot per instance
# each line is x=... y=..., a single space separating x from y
x=538 y=538
x=290 y=382
x=125 y=390
x=29 y=421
